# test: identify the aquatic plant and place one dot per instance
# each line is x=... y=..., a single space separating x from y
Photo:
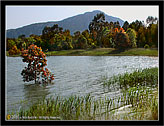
x=147 y=76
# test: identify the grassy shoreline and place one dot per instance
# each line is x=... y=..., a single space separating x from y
x=105 y=52
x=102 y=52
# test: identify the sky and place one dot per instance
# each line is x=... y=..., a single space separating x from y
x=18 y=16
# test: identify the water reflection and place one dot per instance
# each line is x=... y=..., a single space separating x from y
x=35 y=92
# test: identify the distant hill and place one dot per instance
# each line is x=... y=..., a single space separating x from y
x=76 y=23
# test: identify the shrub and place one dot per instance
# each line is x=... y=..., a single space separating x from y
x=36 y=60
x=93 y=46
x=146 y=46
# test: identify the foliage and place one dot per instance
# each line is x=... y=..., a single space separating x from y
x=10 y=44
x=132 y=37
x=136 y=25
x=152 y=35
x=97 y=26
x=82 y=42
x=125 y=25
x=36 y=60
x=122 y=41
x=100 y=34
x=93 y=46
x=106 y=36
x=141 y=39
x=14 y=51
x=146 y=46
x=151 y=20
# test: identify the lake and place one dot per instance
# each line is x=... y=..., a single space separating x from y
x=74 y=75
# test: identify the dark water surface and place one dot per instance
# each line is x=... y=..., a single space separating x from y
x=74 y=75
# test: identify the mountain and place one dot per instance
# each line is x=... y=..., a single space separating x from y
x=76 y=23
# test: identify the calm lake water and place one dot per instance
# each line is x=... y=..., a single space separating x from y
x=74 y=75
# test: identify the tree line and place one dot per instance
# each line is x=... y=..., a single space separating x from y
x=100 y=34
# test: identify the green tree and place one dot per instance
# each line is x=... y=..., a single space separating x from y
x=117 y=25
x=141 y=39
x=75 y=39
x=132 y=37
x=125 y=25
x=19 y=43
x=136 y=25
x=28 y=41
x=86 y=34
x=105 y=37
x=10 y=44
x=151 y=20
x=68 y=38
x=37 y=40
x=96 y=27
x=48 y=33
x=152 y=35
x=111 y=25
x=58 y=39
x=82 y=42
x=155 y=36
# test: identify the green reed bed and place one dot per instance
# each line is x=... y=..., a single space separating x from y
x=140 y=89
x=72 y=108
x=143 y=101
x=137 y=101
x=148 y=76
x=88 y=108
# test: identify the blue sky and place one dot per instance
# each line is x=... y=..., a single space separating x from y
x=18 y=16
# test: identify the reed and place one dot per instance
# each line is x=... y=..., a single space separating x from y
x=148 y=77
x=80 y=108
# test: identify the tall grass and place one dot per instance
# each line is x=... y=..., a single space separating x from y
x=147 y=76
x=88 y=108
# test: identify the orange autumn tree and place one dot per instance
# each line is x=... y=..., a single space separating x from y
x=35 y=70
